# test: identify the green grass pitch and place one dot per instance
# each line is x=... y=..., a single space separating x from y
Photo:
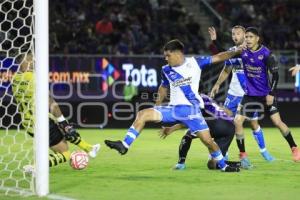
x=145 y=171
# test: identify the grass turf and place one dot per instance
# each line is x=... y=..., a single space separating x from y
x=145 y=171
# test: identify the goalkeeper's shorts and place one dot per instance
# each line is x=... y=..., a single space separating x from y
x=55 y=134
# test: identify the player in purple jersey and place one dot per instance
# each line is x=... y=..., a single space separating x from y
x=181 y=75
x=260 y=90
x=220 y=123
x=236 y=89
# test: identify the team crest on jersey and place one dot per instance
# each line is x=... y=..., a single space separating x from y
x=172 y=75
x=260 y=57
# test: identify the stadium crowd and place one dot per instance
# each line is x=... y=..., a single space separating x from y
x=120 y=26
x=140 y=27
x=277 y=19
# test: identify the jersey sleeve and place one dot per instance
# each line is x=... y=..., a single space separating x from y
x=231 y=62
x=203 y=61
x=164 y=80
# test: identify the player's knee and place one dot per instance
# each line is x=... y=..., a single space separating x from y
x=142 y=115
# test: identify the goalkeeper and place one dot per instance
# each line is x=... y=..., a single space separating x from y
x=60 y=130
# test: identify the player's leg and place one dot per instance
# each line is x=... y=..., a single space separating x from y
x=223 y=132
x=199 y=128
x=240 y=140
x=72 y=136
x=259 y=138
x=215 y=151
x=286 y=133
x=58 y=145
x=183 y=149
x=61 y=153
x=143 y=116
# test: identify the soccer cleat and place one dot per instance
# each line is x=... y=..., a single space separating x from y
x=231 y=169
x=93 y=153
x=117 y=145
x=267 y=156
x=233 y=163
x=29 y=169
x=296 y=154
x=179 y=166
x=245 y=162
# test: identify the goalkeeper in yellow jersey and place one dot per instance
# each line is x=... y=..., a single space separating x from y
x=60 y=130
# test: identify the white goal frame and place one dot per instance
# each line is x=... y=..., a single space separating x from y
x=41 y=144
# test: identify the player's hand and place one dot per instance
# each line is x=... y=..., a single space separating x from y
x=294 y=70
x=212 y=33
x=68 y=130
x=242 y=47
x=214 y=91
x=165 y=131
x=269 y=100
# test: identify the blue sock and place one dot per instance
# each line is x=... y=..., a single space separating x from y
x=259 y=137
x=131 y=135
x=217 y=155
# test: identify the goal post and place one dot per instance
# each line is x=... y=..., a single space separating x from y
x=41 y=31
x=24 y=97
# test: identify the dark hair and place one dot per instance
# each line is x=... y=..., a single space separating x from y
x=174 y=45
x=253 y=30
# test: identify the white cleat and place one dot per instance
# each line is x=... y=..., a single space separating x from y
x=29 y=169
x=93 y=153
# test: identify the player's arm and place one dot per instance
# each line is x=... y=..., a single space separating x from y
x=161 y=95
x=295 y=69
x=162 y=90
x=222 y=77
x=166 y=131
x=220 y=57
x=273 y=68
x=68 y=130
x=214 y=39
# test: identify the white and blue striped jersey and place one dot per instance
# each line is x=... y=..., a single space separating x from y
x=184 y=81
x=237 y=84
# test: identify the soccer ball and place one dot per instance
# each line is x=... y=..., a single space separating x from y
x=79 y=160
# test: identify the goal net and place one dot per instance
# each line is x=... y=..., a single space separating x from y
x=16 y=116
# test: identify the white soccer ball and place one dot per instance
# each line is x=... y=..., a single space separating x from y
x=79 y=160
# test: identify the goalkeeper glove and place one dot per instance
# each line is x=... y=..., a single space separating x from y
x=68 y=130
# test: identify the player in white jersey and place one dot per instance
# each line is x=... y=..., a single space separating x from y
x=182 y=76
x=236 y=92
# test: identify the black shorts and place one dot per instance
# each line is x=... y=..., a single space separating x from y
x=223 y=132
x=255 y=107
x=55 y=134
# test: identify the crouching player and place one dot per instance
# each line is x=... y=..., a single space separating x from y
x=221 y=126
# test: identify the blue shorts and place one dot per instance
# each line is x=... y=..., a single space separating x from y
x=190 y=116
x=232 y=103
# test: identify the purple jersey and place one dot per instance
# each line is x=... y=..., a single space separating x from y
x=211 y=107
x=256 y=71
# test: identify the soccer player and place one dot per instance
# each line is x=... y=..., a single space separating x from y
x=236 y=91
x=60 y=130
x=182 y=75
x=260 y=89
x=220 y=123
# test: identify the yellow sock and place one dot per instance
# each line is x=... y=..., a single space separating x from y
x=58 y=158
x=85 y=146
